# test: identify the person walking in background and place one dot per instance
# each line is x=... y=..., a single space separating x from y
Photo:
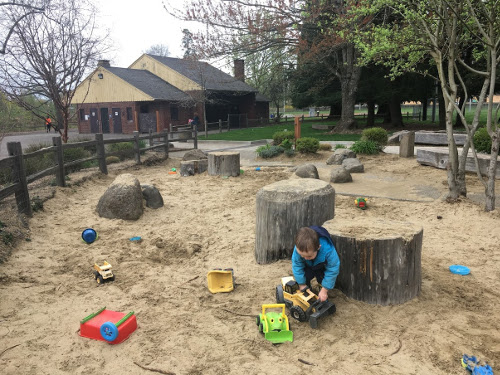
x=196 y=119
x=48 y=123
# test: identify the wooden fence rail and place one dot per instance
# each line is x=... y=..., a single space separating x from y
x=16 y=160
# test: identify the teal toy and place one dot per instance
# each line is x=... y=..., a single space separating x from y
x=471 y=364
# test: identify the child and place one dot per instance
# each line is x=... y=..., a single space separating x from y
x=314 y=255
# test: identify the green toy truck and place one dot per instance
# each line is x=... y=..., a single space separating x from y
x=274 y=325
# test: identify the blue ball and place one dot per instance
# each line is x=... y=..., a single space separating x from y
x=89 y=235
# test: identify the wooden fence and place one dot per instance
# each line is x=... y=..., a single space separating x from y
x=16 y=160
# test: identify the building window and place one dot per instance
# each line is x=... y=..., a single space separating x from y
x=82 y=114
x=129 y=114
x=174 y=113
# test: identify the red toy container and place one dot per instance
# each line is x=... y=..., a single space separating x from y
x=110 y=326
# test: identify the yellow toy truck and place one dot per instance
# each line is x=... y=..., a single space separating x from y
x=304 y=305
x=103 y=272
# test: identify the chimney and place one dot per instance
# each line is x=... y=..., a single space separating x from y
x=239 y=70
x=104 y=63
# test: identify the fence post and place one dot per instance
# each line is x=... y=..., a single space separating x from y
x=195 y=139
x=220 y=125
x=101 y=153
x=164 y=139
x=150 y=137
x=137 y=149
x=56 y=141
x=19 y=175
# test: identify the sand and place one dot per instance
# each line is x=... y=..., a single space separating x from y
x=46 y=285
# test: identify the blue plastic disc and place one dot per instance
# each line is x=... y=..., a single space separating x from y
x=89 y=235
x=135 y=239
x=459 y=270
x=109 y=331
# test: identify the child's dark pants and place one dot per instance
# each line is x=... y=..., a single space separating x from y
x=317 y=271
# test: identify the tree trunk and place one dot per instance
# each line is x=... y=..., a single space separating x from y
x=458 y=119
x=282 y=208
x=490 y=186
x=224 y=164
x=395 y=109
x=383 y=109
x=349 y=75
x=370 y=120
x=424 y=109
x=380 y=260
x=442 y=111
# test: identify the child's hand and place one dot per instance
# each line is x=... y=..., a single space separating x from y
x=302 y=286
x=323 y=294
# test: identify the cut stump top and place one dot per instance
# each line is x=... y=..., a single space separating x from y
x=295 y=188
x=368 y=228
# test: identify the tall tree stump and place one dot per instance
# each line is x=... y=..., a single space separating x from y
x=285 y=206
x=380 y=260
x=224 y=164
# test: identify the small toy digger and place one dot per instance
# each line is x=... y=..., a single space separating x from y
x=304 y=305
x=274 y=325
x=103 y=272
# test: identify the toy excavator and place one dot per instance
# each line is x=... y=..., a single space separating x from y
x=304 y=305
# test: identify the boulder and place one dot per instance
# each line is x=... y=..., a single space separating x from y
x=152 y=196
x=122 y=199
x=340 y=175
x=307 y=171
x=340 y=155
x=195 y=154
x=353 y=165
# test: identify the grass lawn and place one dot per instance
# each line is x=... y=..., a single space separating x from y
x=254 y=134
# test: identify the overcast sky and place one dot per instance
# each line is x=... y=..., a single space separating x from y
x=137 y=25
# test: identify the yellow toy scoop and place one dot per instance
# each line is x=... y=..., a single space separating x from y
x=220 y=281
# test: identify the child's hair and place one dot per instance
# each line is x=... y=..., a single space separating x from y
x=307 y=240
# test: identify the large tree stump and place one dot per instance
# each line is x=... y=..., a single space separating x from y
x=285 y=206
x=380 y=260
x=224 y=164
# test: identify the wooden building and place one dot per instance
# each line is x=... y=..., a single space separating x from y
x=157 y=92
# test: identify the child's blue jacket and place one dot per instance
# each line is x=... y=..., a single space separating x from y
x=327 y=254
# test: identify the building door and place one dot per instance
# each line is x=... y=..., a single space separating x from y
x=117 y=120
x=94 y=122
x=105 y=120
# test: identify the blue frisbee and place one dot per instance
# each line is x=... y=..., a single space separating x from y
x=459 y=270
x=89 y=235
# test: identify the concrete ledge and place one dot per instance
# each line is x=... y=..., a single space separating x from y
x=322 y=127
x=436 y=138
x=438 y=157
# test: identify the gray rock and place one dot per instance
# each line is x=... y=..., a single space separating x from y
x=152 y=196
x=122 y=199
x=340 y=175
x=307 y=171
x=396 y=136
x=353 y=165
x=340 y=155
x=195 y=154
x=192 y=167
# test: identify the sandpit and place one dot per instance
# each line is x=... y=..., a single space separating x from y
x=46 y=286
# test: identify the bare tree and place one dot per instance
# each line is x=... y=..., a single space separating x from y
x=248 y=27
x=158 y=50
x=12 y=13
x=49 y=55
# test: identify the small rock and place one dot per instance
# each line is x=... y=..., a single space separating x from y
x=307 y=171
